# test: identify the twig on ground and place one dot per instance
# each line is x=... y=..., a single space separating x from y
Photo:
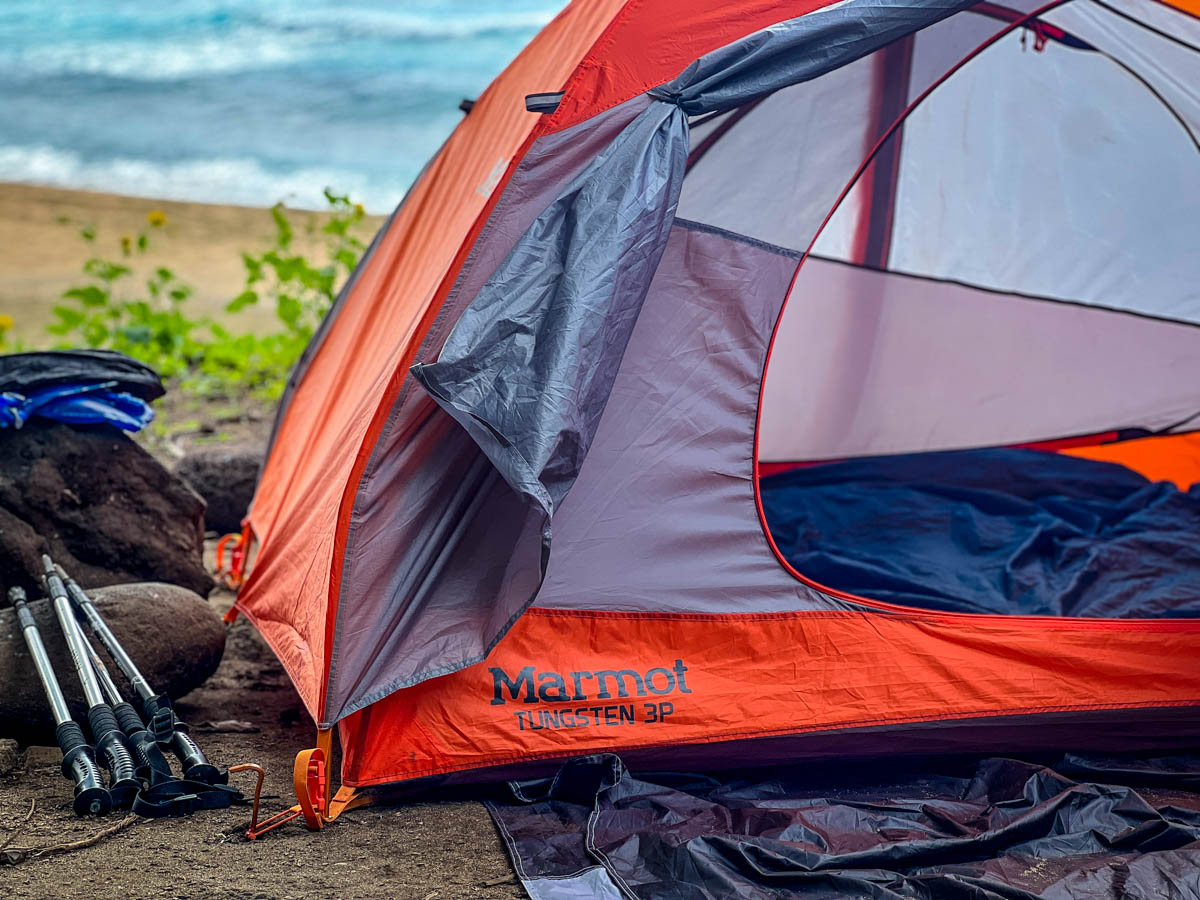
x=29 y=815
x=507 y=879
x=12 y=857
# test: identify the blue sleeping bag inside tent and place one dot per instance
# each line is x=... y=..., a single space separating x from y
x=999 y=531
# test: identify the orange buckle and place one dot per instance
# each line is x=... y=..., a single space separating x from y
x=233 y=575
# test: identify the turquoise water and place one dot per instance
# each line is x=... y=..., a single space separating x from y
x=250 y=102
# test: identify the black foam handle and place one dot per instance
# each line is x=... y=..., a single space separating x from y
x=123 y=783
x=128 y=719
x=79 y=765
x=196 y=766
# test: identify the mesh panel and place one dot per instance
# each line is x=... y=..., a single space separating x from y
x=1039 y=169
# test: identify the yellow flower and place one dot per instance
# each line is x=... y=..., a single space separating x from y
x=157 y=218
x=358 y=208
x=6 y=323
x=126 y=245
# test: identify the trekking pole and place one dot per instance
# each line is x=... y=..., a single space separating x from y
x=123 y=783
x=166 y=795
x=167 y=730
x=79 y=761
x=152 y=765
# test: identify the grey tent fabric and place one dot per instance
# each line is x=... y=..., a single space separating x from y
x=527 y=369
x=663 y=514
x=798 y=50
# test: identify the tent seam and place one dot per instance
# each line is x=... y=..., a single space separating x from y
x=904 y=614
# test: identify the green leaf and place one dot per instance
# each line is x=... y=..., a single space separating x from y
x=338 y=226
x=105 y=270
x=289 y=310
x=69 y=317
x=88 y=296
x=137 y=334
x=253 y=268
x=241 y=301
x=282 y=226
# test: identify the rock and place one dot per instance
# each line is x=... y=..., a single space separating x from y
x=9 y=755
x=42 y=757
x=100 y=505
x=226 y=478
x=174 y=636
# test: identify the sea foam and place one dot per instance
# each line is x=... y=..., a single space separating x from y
x=239 y=181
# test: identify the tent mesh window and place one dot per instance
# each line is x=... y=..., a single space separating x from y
x=982 y=269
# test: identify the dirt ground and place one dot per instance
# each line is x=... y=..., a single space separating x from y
x=428 y=851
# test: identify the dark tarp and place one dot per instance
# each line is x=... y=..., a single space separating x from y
x=936 y=829
x=1016 y=532
x=23 y=373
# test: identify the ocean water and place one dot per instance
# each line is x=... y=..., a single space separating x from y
x=245 y=101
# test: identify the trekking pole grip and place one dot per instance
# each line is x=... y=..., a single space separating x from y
x=195 y=764
x=110 y=742
x=79 y=765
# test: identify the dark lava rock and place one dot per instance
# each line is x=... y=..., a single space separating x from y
x=174 y=637
x=225 y=477
x=103 y=507
x=10 y=756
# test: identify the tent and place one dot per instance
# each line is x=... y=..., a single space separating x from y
x=532 y=490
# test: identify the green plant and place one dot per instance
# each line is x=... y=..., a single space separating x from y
x=300 y=291
x=6 y=327
x=150 y=321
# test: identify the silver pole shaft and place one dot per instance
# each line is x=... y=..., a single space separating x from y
x=41 y=662
x=111 y=691
x=73 y=634
x=84 y=603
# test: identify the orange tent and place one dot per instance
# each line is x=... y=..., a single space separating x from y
x=513 y=508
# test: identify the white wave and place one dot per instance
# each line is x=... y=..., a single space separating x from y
x=395 y=25
x=226 y=180
x=280 y=37
x=241 y=50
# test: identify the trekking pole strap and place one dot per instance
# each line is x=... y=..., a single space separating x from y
x=182 y=797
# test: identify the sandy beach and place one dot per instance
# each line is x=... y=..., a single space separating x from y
x=42 y=252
